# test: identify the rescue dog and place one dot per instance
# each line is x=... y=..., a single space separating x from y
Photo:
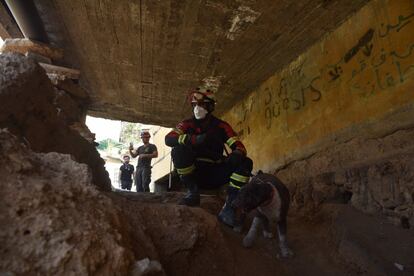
x=267 y=195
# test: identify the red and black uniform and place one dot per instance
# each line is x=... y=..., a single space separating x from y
x=198 y=147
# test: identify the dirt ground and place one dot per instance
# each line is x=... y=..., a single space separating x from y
x=337 y=240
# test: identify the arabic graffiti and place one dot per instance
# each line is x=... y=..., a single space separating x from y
x=402 y=22
x=372 y=65
x=375 y=69
x=293 y=94
x=388 y=67
x=242 y=127
x=364 y=43
x=335 y=72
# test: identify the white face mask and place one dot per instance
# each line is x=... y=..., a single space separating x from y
x=199 y=112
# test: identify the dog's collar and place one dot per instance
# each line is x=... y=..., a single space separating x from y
x=267 y=202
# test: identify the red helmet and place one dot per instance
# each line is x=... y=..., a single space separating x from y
x=201 y=94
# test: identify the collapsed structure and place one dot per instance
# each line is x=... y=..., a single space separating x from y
x=333 y=120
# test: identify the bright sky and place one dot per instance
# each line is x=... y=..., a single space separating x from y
x=104 y=128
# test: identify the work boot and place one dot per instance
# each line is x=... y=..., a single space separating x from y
x=192 y=198
x=227 y=214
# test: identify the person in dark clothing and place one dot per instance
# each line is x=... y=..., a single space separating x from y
x=145 y=153
x=197 y=153
x=126 y=171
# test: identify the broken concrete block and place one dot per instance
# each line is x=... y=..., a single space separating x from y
x=50 y=225
x=147 y=267
x=24 y=45
x=64 y=72
x=72 y=88
x=84 y=131
x=399 y=266
x=38 y=58
x=29 y=111
x=70 y=110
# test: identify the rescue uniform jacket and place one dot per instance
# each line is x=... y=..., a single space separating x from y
x=217 y=132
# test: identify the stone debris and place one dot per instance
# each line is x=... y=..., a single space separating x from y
x=399 y=266
x=147 y=267
x=65 y=72
x=53 y=220
x=48 y=118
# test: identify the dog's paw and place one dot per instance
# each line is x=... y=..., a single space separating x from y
x=267 y=235
x=248 y=241
x=285 y=252
x=238 y=229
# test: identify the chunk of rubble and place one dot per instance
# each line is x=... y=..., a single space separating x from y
x=53 y=220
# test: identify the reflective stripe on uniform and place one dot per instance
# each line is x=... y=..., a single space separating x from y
x=231 y=141
x=231 y=184
x=181 y=139
x=186 y=170
x=239 y=178
x=178 y=131
x=208 y=160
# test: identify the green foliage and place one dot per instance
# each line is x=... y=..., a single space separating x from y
x=108 y=144
x=130 y=133
x=110 y=147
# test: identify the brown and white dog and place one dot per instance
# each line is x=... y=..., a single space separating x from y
x=266 y=194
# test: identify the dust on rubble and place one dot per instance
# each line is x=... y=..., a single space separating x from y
x=48 y=118
x=190 y=241
x=54 y=222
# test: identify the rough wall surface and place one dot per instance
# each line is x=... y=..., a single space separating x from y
x=355 y=82
x=41 y=115
x=375 y=174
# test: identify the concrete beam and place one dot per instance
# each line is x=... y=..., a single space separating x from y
x=24 y=45
x=139 y=58
x=38 y=58
x=61 y=72
x=73 y=89
x=8 y=27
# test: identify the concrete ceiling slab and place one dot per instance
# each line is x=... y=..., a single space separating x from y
x=8 y=27
x=139 y=58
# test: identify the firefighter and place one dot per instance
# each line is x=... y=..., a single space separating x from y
x=197 y=152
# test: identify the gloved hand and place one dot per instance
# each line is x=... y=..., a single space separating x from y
x=195 y=140
x=235 y=158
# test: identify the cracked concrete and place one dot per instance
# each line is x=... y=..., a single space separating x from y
x=161 y=49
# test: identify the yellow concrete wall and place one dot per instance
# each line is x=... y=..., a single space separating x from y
x=358 y=73
x=161 y=165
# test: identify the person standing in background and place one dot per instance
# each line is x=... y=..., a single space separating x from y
x=145 y=154
x=126 y=171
